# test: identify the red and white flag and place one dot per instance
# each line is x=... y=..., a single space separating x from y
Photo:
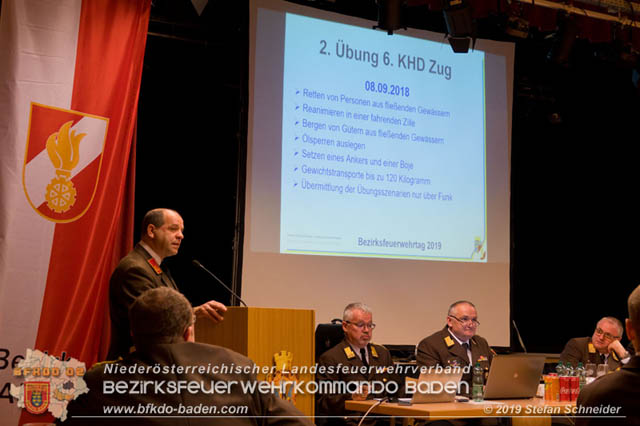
x=70 y=75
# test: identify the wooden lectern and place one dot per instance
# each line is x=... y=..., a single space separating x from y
x=260 y=333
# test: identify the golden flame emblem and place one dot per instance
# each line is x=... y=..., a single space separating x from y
x=64 y=153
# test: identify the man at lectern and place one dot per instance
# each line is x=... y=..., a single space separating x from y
x=457 y=344
x=613 y=399
x=346 y=367
x=171 y=380
x=142 y=269
x=603 y=347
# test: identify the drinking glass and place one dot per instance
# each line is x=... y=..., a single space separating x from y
x=602 y=370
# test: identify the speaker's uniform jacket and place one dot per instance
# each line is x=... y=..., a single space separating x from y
x=136 y=273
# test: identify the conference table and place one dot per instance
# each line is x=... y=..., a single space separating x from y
x=532 y=411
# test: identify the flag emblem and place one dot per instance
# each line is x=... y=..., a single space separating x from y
x=63 y=156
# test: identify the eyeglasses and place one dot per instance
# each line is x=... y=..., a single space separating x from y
x=467 y=321
x=607 y=336
x=362 y=325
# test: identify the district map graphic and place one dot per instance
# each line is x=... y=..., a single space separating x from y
x=49 y=383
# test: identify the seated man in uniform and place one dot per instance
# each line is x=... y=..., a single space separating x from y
x=603 y=347
x=146 y=381
x=619 y=390
x=355 y=359
x=457 y=344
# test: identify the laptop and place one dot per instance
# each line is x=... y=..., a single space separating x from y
x=434 y=386
x=514 y=376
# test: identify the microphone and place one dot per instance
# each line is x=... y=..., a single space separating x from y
x=519 y=337
x=200 y=265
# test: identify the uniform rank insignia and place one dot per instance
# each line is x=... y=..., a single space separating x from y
x=349 y=352
x=448 y=341
x=615 y=355
x=373 y=352
x=592 y=349
x=154 y=265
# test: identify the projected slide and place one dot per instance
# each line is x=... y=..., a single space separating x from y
x=378 y=170
x=383 y=145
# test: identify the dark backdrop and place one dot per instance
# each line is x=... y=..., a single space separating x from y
x=574 y=154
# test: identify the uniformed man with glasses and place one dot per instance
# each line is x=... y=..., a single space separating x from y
x=354 y=360
x=457 y=344
x=603 y=347
x=620 y=390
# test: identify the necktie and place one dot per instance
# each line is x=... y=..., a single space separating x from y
x=363 y=356
x=467 y=349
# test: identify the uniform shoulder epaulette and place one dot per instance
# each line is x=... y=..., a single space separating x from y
x=349 y=352
x=374 y=352
x=448 y=341
x=154 y=265
x=592 y=349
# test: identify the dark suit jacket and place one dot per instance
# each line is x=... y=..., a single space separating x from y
x=342 y=356
x=618 y=389
x=133 y=276
x=580 y=349
x=442 y=349
x=172 y=355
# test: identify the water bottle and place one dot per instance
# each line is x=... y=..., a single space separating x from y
x=560 y=369
x=582 y=373
x=568 y=370
x=477 y=388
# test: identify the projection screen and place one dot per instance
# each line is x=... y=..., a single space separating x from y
x=378 y=171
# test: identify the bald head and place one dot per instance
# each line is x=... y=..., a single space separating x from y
x=162 y=231
x=453 y=308
x=153 y=217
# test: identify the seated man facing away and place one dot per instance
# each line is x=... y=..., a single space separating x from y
x=603 y=347
x=614 y=399
x=457 y=344
x=169 y=379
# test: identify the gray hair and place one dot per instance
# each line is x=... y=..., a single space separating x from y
x=160 y=315
x=347 y=315
x=459 y=302
x=615 y=321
